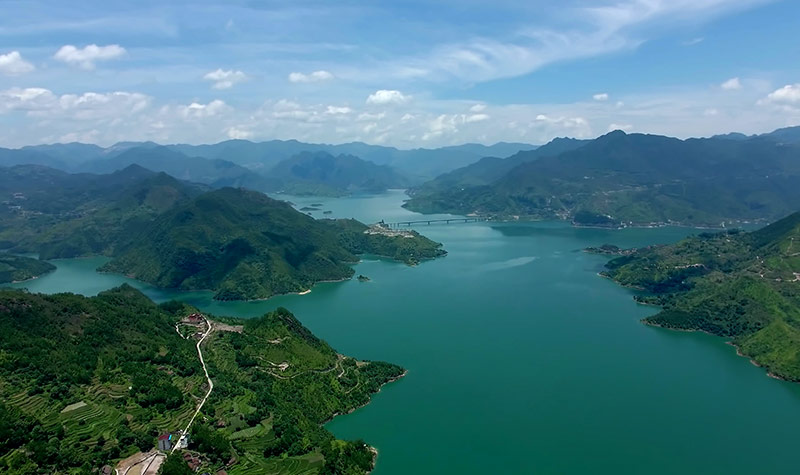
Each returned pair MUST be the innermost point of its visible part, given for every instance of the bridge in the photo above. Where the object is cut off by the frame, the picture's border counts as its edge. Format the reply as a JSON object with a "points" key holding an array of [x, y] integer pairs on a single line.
{"points": [[404, 224]]}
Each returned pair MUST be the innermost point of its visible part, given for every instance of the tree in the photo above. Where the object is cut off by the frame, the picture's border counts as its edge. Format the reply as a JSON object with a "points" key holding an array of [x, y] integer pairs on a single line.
{"points": [[175, 465]]}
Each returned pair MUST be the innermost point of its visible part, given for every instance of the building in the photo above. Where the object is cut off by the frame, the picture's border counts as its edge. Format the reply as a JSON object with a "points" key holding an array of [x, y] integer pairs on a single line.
{"points": [[165, 442]]}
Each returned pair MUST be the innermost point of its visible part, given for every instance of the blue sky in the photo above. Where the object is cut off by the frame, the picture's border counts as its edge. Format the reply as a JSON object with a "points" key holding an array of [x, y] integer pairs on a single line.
{"points": [[408, 74]]}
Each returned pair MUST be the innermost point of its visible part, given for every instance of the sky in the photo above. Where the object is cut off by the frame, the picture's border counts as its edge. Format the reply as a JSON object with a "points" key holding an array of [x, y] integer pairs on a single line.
{"points": [[402, 73]]}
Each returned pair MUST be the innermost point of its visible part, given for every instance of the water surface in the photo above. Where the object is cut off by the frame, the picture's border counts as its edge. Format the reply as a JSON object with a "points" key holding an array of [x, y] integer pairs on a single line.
{"points": [[522, 360]]}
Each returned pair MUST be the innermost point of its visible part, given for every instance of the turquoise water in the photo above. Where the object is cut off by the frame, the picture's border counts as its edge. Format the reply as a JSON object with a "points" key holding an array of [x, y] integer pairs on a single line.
{"points": [[522, 360]]}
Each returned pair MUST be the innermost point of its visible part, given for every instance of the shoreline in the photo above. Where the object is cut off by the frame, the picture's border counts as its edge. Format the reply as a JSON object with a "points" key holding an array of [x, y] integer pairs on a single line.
{"points": [[644, 321], [352, 410], [752, 361]]}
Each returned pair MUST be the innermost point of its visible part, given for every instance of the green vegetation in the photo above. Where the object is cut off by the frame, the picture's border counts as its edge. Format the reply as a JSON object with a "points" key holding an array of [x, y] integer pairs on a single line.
{"points": [[59, 215], [743, 286], [175, 465], [245, 245], [85, 382], [239, 243], [66, 363], [621, 180], [19, 268]]}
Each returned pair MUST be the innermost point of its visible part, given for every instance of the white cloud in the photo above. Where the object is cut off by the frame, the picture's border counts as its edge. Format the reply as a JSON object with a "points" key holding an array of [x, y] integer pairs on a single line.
{"points": [[384, 97], [600, 97], [26, 99], [624, 127], [732, 84], [12, 64], [334, 110], [43, 103], [87, 56], [238, 133], [787, 95], [196, 110], [316, 76], [476, 118], [478, 108], [710, 112], [225, 79], [366, 116]]}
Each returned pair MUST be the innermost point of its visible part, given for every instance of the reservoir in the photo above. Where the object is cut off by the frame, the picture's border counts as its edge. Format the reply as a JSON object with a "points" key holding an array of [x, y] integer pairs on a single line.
{"points": [[520, 358]]}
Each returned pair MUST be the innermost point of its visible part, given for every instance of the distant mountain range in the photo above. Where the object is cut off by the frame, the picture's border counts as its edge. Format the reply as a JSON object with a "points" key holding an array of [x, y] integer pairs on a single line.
{"points": [[320, 173], [266, 166], [622, 179]]}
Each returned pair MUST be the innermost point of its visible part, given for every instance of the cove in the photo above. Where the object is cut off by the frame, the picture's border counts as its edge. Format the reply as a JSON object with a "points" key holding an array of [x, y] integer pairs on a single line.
{"points": [[521, 359]]}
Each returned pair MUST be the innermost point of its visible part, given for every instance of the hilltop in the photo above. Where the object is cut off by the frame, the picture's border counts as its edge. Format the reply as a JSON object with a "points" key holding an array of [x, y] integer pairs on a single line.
{"points": [[742, 286], [624, 179], [87, 382]]}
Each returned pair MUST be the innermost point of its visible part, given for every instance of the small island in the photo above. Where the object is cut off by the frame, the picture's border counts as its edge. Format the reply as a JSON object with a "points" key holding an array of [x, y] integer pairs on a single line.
{"points": [[363, 278]]}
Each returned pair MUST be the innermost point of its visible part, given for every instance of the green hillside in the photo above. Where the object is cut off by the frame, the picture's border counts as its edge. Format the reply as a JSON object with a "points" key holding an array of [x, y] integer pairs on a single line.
{"points": [[241, 244], [742, 286], [19, 268], [55, 214], [85, 382], [620, 179], [245, 245]]}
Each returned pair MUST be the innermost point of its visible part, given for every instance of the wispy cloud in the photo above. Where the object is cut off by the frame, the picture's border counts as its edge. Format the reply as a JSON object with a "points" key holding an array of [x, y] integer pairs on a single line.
{"points": [[316, 76], [597, 30]]}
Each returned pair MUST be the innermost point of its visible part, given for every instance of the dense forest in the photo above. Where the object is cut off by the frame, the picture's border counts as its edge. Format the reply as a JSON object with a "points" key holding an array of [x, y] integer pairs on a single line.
{"points": [[239, 243], [19, 268], [86, 382], [624, 179], [742, 286]]}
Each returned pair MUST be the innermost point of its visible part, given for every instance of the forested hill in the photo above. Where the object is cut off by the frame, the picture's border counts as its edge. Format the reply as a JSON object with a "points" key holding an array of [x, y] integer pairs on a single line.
{"points": [[57, 214], [245, 245], [85, 382], [621, 179], [19, 268], [320, 173], [239, 243], [743, 286]]}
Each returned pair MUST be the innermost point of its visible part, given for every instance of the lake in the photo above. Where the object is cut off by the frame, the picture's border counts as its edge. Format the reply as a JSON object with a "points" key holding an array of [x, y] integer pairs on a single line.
{"points": [[521, 359]]}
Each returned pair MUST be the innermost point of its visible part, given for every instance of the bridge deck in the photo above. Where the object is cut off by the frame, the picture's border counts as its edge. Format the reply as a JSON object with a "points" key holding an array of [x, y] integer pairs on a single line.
{"points": [[471, 219]]}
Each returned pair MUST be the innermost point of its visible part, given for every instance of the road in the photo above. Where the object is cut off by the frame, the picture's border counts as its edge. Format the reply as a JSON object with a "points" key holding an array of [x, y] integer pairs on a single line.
{"points": [[210, 386]]}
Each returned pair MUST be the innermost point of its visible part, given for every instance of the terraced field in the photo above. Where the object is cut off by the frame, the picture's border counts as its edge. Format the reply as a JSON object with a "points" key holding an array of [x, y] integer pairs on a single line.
{"points": [[309, 464]]}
